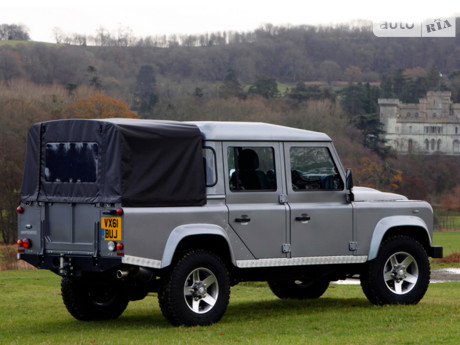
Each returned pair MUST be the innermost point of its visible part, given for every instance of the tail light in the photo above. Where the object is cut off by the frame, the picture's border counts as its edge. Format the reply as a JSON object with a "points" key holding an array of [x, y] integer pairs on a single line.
{"points": [[20, 210], [119, 212], [24, 244]]}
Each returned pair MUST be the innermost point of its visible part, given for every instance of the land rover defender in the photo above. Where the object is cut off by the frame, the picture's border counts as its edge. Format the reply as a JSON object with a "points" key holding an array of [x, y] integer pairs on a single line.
{"points": [[120, 208]]}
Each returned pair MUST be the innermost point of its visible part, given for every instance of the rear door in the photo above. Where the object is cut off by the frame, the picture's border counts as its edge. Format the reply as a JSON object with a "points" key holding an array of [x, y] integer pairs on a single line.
{"points": [[71, 167], [253, 178], [320, 218]]}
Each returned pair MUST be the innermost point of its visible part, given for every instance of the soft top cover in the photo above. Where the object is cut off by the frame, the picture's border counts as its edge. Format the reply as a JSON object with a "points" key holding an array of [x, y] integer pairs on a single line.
{"points": [[137, 163]]}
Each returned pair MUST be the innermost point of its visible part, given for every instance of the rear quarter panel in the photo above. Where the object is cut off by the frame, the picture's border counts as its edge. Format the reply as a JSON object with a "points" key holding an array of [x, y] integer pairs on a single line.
{"points": [[146, 230]]}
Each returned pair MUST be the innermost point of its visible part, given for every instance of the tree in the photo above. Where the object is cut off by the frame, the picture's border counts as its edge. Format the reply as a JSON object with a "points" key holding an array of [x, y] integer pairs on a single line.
{"points": [[399, 80], [387, 86], [145, 97], [454, 81], [9, 32], [414, 188], [103, 37], [413, 90], [371, 127], [16, 115], [10, 181], [414, 73], [198, 93], [433, 78], [329, 71], [10, 64], [353, 74], [58, 34], [299, 92], [94, 79], [371, 100], [380, 175], [264, 86], [360, 103], [231, 86], [302, 92], [354, 100], [99, 107]]}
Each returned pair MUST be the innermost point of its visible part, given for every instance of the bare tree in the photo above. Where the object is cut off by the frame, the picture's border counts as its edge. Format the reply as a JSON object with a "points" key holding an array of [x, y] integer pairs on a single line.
{"points": [[58, 35], [10, 180], [79, 39], [10, 64]]}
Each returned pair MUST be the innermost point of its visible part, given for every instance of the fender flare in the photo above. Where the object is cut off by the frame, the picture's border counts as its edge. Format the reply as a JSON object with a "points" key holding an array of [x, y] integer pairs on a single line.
{"points": [[387, 223], [183, 231]]}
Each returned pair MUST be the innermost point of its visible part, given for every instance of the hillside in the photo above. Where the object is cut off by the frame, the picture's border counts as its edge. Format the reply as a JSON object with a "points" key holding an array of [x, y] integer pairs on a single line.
{"points": [[288, 54]]}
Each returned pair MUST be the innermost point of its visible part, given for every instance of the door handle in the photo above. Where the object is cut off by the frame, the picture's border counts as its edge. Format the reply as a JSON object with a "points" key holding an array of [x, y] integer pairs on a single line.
{"points": [[302, 218], [242, 220]]}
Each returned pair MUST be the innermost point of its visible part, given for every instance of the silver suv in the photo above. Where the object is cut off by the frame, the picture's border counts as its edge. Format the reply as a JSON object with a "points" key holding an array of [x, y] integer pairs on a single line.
{"points": [[120, 208]]}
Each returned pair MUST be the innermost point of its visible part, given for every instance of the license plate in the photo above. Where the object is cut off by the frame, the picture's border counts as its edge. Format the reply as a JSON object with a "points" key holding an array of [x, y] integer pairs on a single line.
{"points": [[111, 228]]}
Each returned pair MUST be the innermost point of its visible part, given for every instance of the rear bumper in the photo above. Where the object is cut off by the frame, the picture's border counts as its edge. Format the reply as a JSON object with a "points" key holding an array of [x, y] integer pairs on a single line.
{"points": [[435, 252], [73, 264]]}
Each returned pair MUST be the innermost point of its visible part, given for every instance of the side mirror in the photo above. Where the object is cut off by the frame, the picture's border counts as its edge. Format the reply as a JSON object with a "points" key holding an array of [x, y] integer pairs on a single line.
{"points": [[349, 179], [349, 185]]}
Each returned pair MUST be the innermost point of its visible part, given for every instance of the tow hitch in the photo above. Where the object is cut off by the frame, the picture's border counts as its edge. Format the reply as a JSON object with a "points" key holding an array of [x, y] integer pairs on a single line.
{"points": [[65, 266]]}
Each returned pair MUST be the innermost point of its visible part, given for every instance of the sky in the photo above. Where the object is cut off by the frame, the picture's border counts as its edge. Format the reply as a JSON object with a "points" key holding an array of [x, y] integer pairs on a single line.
{"points": [[152, 17]]}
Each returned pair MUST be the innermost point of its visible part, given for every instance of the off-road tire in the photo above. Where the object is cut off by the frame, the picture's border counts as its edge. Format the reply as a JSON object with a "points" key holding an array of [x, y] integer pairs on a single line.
{"points": [[399, 275], [183, 298], [295, 289], [87, 301]]}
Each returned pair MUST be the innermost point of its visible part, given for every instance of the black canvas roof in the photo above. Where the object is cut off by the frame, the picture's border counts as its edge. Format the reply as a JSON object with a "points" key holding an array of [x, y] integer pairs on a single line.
{"points": [[139, 163]]}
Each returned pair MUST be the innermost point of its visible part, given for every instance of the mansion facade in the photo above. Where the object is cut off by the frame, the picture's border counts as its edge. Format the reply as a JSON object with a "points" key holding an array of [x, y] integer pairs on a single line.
{"points": [[430, 126]]}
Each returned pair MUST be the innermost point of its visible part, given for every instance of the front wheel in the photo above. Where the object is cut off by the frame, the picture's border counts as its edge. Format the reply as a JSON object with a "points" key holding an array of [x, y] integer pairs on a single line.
{"points": [[297, 289], [196, 291], [88, 301], [399, 275]]}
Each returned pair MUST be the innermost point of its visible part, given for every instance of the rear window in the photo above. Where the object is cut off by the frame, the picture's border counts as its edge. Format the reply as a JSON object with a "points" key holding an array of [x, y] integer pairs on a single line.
{"points": [[71, 162]]}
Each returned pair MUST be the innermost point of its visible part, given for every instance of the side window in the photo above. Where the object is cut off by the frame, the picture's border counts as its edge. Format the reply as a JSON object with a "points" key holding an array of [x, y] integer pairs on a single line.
{"points": [[251, 168], [312, 168], [209, 162]]}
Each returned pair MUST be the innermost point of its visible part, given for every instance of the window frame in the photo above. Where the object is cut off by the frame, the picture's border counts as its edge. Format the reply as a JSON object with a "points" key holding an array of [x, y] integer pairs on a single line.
{"points": [[333, 157], [214, 168], [251, 145]]}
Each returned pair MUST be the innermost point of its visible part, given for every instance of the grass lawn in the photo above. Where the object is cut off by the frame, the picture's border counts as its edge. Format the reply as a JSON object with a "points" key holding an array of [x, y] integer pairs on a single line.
{"points": [[450, 240], [32, 312], [451, 222]]}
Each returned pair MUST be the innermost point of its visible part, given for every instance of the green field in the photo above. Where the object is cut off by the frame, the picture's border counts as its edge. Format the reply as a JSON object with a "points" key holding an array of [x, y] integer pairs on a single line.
{"points": [[32, 312], [451, 222], [450, 240]]}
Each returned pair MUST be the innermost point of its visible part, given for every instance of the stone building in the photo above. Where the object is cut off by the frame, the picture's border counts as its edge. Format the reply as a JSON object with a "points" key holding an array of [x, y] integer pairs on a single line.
{"points": [[430, 126]]}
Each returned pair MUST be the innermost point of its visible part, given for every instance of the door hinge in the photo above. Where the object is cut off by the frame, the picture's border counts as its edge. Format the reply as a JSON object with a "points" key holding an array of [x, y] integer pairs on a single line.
{"points": [[282, 198], [286, 248], [353, 246]]}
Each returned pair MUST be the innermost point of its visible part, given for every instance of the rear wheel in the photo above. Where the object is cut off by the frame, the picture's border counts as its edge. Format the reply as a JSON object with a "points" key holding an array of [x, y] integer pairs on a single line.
{"points": [[297, 289], [196, 291], [92, 301], [399, 275]]}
